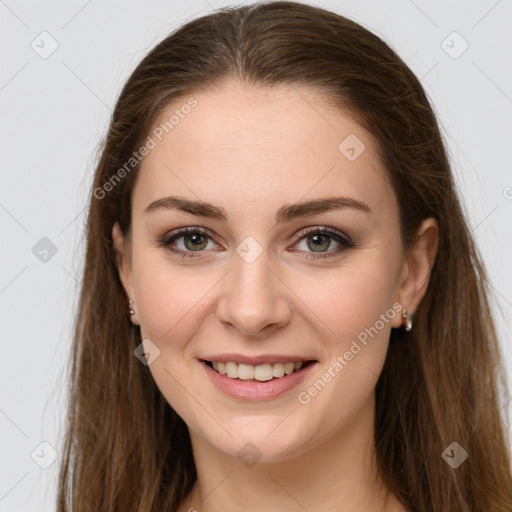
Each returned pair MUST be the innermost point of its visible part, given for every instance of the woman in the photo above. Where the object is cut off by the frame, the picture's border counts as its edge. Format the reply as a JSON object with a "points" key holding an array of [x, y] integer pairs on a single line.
{"points": [[282, 304]]}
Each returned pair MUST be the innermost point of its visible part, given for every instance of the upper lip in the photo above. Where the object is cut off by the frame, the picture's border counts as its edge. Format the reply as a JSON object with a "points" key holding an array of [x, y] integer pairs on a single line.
{"points": [[256, 360]]}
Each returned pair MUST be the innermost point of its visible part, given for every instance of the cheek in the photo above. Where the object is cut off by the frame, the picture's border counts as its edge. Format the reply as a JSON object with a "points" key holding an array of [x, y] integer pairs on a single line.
{"points": [[169, 297], [170, 300], [352, 308], [350, 298], [358, 309]]}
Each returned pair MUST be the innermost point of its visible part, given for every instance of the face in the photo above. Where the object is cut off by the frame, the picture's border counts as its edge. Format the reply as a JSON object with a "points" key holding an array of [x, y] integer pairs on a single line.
{"points": [[270, 282]]}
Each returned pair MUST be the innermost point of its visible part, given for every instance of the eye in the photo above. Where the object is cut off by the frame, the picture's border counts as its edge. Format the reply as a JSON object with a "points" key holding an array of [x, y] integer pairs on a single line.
{"points": [[195, 240], [318, 240]]}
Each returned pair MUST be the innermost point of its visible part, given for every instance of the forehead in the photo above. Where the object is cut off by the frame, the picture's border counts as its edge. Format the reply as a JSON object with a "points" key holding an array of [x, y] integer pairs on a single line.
{"points": [[240, 146]]}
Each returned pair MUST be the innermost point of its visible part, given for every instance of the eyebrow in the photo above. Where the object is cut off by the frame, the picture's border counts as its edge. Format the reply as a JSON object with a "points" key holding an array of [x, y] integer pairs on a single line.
{"points": [[286, 213]]}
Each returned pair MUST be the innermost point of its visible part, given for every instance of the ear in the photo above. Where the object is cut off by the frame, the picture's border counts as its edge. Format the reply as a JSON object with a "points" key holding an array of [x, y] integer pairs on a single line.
{"points": [[418, 263], [122, 251]]}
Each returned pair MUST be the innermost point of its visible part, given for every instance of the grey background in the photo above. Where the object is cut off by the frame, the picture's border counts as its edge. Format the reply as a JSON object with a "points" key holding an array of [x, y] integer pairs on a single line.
{"points": [[54, 111]]}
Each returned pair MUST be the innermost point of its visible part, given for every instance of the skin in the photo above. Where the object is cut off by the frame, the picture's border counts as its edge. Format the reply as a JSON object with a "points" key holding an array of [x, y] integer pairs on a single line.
{"points": [[251, 151]]}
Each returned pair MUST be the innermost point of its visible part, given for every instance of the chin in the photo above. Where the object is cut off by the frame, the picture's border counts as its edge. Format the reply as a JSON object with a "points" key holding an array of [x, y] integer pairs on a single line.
{"points": [[269, 440]]}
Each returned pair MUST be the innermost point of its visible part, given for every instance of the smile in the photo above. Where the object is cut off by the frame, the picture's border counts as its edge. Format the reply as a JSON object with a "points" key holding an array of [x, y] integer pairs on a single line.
{"points": [[260, 372], [263, 380]]}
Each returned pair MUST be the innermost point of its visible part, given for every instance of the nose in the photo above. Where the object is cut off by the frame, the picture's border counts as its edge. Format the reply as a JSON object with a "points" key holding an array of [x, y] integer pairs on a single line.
{"points": [[254, 299]]}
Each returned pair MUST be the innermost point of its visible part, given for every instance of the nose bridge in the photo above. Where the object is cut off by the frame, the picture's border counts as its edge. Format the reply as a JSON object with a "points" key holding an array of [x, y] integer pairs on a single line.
{"points": [[253, 297]]}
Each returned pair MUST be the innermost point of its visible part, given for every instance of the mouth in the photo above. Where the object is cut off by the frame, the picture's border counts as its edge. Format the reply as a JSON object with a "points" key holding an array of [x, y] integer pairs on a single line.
{"points": [[257, 373]]}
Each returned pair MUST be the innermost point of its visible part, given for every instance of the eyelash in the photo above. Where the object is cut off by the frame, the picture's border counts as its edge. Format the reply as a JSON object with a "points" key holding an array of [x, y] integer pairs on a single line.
{"points": [[344, 241]]}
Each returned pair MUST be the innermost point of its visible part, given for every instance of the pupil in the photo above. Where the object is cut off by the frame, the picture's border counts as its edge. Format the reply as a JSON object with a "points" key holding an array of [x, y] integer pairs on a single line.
{"points": [[317, 242], [196, 241]]}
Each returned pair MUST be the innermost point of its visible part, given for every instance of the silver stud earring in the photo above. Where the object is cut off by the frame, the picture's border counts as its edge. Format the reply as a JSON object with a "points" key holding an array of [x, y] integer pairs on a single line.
{"points": [[408, 320], [130, 304]]}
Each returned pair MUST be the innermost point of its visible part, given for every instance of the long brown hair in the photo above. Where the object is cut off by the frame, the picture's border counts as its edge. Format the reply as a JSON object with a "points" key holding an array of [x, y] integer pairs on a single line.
{"points": [[125, 447]]}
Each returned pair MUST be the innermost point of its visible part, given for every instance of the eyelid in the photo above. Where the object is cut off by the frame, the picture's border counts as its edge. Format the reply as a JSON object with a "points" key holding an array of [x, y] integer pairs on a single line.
{"points": [[296, 237], [183, 231], [340, 237], [321, 229]]}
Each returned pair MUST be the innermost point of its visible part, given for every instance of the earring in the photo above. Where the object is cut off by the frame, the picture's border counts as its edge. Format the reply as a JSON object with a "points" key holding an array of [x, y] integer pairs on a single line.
{"points": [[408, 320], [130, 304]]}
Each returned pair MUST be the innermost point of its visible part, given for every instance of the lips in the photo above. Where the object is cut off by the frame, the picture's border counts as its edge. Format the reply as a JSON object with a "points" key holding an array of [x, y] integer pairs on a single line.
{"points": [[253, 389]]}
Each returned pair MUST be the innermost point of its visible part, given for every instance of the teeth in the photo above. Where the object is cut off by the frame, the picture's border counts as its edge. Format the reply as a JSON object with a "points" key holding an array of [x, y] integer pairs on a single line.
{"points": [[261, 372], [246, 371], [288, 368], [278, 369], [232, 370]]}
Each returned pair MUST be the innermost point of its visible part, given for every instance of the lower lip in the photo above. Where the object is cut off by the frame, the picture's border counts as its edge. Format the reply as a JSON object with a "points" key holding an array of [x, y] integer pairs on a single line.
{"points": [[251, 390]]}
